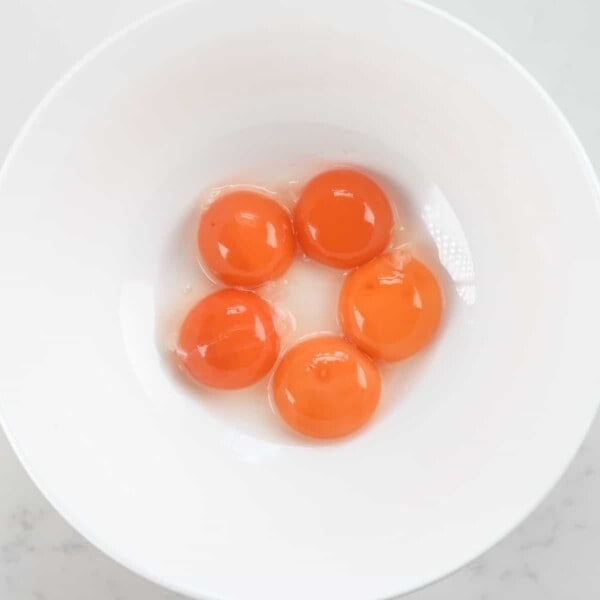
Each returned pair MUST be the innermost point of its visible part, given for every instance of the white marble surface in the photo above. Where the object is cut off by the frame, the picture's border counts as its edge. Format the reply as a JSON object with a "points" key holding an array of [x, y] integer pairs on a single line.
{"points": [[554, 555]]}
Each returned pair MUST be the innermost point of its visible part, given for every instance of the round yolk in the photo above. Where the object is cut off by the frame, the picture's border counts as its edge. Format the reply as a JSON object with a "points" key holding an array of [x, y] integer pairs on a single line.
{"points": [[325, 388], [246, 239], [228, 340], [391, 307], [343, 219]]}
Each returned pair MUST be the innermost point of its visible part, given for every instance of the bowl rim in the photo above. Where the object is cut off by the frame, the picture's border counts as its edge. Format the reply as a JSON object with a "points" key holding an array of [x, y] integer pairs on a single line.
{"points": [[570, 137]]}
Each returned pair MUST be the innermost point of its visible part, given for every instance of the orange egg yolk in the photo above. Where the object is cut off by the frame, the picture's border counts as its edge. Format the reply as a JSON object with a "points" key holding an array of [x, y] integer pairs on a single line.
{"points": [[325, 388], [390, 307], [343, 219], [228, 340], [246, 239]]}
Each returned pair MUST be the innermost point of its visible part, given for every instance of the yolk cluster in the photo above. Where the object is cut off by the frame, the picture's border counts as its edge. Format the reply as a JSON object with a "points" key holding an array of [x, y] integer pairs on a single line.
{"points": [[389, 307]]}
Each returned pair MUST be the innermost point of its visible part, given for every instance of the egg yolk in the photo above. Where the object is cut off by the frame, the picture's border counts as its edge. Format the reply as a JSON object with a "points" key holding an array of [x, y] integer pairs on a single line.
{"points": [[325, 388], [228, 340], [390, 307], [246, 239], [343, 219]]}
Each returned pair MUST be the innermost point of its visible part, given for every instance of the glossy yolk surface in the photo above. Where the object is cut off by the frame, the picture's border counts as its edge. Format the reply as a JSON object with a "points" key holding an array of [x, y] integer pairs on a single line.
{"points": [[391, 307], [246, 239], [228, 340], [343, 219], [325, 388]]}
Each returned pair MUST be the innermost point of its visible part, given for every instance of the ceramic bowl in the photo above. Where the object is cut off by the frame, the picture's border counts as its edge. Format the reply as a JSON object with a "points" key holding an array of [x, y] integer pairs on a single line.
{"points": [[95, 204]]}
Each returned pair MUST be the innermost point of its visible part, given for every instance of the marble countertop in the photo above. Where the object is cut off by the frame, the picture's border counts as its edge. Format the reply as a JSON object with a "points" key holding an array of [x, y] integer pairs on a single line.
{"points": [[553, 555]]}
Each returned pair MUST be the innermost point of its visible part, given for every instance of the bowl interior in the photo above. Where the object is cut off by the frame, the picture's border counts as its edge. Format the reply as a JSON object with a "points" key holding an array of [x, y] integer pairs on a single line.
{"points": [[214, 498]]}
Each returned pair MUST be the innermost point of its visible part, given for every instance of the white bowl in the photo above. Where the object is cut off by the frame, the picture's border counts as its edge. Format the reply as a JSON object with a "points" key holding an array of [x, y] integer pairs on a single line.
{"points": [[95, 202]]}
